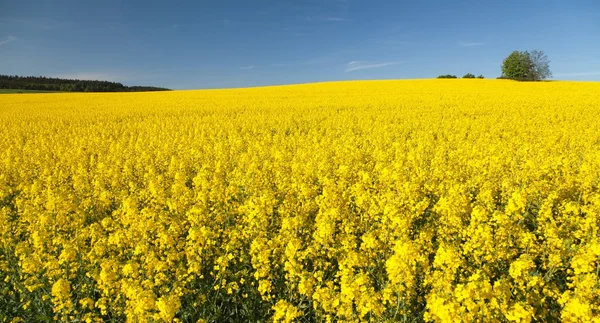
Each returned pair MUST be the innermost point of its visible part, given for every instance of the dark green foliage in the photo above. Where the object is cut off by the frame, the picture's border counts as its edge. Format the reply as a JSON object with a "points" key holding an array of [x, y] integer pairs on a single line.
{"points": [[40, 83], [525, 66], [447, 76], [146, 88], [517, 66], [468, 76], [480, 76], [12, 91]]}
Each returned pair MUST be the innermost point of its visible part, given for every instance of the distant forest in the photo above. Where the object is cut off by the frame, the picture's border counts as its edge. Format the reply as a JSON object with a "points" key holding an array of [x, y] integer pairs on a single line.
{"points": [[41, 83]]}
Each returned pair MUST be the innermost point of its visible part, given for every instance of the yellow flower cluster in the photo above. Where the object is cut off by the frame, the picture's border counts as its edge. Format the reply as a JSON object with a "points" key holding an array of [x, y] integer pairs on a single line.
{"points": [[435, 200]]}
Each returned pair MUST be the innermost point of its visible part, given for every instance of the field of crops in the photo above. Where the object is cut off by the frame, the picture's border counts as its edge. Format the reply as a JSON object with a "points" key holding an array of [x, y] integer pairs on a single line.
{"points": [[424, 200]]}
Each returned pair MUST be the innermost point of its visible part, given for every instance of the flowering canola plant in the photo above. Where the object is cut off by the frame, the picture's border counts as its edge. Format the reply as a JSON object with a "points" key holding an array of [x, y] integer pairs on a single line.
{"points": [[422, 200]]}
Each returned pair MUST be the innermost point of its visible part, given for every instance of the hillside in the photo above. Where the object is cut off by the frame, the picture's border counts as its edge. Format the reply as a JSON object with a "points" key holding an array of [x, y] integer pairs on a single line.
{"points": [[366, 201]]}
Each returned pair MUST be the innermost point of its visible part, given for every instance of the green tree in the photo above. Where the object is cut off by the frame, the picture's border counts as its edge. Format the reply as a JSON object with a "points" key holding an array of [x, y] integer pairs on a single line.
{"points": [[468, 76], [480, 76], [447, 76], [517, 66], [526, 66]]}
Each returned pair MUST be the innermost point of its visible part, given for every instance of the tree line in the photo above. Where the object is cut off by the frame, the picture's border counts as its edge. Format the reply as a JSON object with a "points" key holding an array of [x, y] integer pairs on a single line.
{"points": [[519, 66], [41, 83], [466, 76]]}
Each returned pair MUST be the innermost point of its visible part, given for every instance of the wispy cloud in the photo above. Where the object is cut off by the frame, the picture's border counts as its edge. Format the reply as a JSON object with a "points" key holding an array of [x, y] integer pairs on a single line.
{"points": [[38, 23], [357, 65], [470, 44], [327, 18], [249, 67], [575, 74], [8, 40]]}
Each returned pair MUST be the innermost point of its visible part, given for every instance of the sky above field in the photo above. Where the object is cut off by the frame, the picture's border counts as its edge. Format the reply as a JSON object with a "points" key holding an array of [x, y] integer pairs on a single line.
{"points": [[226, 43]]}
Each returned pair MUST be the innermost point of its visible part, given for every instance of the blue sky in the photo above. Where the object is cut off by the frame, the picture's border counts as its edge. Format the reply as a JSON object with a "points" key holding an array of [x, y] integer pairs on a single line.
{"points": [[226, 43]]}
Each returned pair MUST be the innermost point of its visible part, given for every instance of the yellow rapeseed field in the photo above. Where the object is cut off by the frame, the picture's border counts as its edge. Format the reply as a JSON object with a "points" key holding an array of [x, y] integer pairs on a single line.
{"points": [[423, 200]]}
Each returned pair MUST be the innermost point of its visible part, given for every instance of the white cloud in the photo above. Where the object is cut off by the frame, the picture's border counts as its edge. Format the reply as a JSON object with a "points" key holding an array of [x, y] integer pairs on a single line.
{"points": [[8, 40], [470, 44], [575, 74], [249, 67], [356, 65]]}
